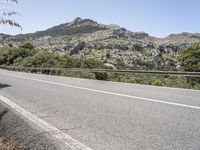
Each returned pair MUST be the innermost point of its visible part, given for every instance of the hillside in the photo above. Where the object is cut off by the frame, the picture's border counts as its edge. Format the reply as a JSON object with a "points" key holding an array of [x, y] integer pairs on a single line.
{"points": [[111, 44]]}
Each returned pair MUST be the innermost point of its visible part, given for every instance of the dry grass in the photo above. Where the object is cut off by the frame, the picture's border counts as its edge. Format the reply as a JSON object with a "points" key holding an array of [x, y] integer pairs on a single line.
{"points": [[7, 145]]}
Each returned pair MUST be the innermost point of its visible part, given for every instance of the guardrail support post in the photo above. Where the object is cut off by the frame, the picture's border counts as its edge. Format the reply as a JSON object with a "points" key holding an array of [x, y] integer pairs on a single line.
{"points": [[189, 81]]}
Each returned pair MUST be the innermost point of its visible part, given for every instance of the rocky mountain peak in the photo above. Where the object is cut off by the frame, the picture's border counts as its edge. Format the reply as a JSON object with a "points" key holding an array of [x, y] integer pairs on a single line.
{"points": [[77, 19], [78, 22]]}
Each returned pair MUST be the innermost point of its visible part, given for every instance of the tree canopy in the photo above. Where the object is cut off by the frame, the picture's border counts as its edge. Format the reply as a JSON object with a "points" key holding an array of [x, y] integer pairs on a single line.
{"points": [[26, 56], [190, 58]]}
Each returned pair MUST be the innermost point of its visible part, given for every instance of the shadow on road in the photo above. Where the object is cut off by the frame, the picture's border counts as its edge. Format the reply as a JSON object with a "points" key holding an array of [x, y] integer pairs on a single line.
{"points": [[3, 113], [4, 86]]}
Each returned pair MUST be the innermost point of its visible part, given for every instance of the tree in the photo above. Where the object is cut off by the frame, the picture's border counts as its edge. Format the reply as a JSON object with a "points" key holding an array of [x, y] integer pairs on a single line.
{"points": [[27, 46], [190, 58], [6, 14]]}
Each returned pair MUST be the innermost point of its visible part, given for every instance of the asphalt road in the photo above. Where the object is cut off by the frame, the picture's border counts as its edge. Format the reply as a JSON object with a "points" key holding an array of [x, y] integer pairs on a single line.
{"points": [[22, 134], [107, 115]]}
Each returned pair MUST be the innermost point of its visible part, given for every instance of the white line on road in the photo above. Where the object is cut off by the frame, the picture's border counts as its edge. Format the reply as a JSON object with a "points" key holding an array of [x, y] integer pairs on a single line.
{"points": [[59, 135], [110, 93]]}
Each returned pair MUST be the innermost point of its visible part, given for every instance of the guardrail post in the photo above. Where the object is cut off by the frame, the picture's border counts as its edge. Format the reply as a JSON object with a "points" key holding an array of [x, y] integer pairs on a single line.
{"points": [[189, 81]]}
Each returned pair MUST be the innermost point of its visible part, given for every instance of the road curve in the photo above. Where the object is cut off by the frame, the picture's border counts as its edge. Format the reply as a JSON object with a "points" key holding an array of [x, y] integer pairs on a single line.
{"points": [[106, 115]]}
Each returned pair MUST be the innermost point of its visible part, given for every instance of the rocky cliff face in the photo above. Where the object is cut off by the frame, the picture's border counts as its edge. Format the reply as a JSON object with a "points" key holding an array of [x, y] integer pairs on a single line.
{"points": [[110, 44]]}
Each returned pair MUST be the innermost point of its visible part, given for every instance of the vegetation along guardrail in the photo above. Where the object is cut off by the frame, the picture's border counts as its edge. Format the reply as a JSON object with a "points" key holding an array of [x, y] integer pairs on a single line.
{"points": [[101, 74]]}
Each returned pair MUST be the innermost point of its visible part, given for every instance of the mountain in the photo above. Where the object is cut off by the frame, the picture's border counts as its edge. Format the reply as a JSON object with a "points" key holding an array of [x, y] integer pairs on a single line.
{"points": [[78, 26], [110, 44]]}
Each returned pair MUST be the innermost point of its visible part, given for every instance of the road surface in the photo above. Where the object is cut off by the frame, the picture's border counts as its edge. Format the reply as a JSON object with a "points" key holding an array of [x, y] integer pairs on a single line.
{"points": [[100, 115]]}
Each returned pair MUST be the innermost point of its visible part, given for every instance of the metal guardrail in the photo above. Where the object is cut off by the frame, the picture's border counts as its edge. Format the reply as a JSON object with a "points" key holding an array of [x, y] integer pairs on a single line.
{"points": [[169, 73], [164, 73], [188, 75]]}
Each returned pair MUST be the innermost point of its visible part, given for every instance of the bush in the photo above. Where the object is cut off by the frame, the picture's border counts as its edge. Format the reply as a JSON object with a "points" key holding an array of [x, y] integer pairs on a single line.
{"points": [[27, 46], [101, 76], [157, 82], [190, 58], [41, 59], [26, 56], [91, 64], [10, 56]]}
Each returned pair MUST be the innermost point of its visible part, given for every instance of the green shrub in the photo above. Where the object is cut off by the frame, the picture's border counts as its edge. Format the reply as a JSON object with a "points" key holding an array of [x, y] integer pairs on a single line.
{"points": [[26, 56], [101, 75], [190, 58], [91, 64], [27, 46], [157, 82]]}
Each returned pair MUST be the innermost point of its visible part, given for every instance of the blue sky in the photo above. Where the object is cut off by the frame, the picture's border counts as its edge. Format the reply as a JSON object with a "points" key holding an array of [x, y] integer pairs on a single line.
{"points": [[156, 17]]}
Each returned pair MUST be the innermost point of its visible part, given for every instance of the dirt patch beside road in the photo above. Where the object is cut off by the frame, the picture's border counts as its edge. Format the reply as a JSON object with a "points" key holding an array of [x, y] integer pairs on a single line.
{"points": [[5, 144]]}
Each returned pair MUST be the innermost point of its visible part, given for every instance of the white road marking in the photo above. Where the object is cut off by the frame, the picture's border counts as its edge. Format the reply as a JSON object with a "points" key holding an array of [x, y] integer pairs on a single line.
{"points": [[59, 135], [110, 93]]}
